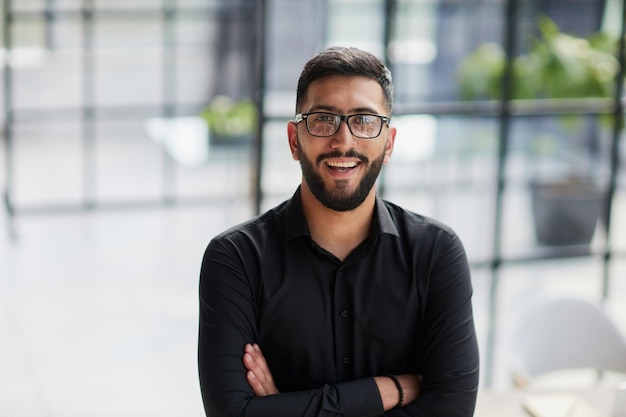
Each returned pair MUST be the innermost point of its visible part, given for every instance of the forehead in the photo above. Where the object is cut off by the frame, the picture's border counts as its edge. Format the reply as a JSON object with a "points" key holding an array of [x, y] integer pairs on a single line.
{"points": [[344, 94]]}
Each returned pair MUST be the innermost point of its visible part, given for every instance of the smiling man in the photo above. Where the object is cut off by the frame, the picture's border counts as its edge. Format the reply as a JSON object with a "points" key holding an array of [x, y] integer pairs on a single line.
{"points": [[336, 302]]}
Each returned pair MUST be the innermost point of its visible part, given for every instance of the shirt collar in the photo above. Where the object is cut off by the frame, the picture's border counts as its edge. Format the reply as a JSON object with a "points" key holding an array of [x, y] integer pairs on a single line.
{"points": [[383, 223], [296, 225]]}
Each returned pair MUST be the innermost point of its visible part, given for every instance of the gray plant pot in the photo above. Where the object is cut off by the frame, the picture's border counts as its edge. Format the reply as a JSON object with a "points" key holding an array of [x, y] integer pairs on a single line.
{"points": [[566, 213]]}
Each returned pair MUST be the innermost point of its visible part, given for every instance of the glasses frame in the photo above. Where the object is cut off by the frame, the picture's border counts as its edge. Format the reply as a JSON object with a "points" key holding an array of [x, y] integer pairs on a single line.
{"points": [[342, 118]]}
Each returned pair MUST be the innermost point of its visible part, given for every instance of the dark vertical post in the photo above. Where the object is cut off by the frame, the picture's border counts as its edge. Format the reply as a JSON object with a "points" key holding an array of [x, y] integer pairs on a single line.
{"points": [[8, 116], [504, 120], [49, 19], [390, 20], [88, 116], [618, 127], [391, 7], [169, 92], [259, 94]]}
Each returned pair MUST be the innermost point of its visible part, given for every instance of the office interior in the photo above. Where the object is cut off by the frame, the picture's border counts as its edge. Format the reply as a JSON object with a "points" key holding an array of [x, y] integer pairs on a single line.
{"points": [[114, 182]]}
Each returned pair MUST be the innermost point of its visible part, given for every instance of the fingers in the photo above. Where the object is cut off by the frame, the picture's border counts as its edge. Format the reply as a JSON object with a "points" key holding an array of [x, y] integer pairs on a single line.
{"points": [[258, 376], [257, 388]]}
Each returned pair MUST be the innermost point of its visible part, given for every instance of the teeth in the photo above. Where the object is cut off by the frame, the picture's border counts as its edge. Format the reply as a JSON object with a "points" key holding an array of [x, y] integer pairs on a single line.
{"points": [[341, 164]]}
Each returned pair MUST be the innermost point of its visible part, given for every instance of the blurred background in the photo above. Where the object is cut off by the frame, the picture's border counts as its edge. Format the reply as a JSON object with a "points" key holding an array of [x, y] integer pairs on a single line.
{"points": [[134, 131]]}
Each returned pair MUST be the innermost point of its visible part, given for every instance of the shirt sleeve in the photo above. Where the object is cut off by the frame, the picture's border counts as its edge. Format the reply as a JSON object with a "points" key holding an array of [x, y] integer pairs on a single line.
{"points": [[228, 320], [450, 364]]}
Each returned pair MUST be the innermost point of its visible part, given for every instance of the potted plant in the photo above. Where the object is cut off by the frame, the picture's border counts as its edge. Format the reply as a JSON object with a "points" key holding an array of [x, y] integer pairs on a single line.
{"points": [[567, 205], [230, 122]]}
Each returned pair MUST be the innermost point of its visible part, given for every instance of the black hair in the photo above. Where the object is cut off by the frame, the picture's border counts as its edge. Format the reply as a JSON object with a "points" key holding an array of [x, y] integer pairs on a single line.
{"points": [[346, 62]]}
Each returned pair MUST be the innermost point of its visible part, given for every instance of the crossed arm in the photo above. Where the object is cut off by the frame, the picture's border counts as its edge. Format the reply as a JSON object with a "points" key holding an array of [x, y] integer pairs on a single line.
{"points": [[260, 379], [236, 380]]}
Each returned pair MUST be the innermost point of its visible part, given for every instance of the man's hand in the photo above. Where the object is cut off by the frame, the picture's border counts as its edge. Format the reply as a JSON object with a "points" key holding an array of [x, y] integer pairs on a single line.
{"points": [[259, 376]]}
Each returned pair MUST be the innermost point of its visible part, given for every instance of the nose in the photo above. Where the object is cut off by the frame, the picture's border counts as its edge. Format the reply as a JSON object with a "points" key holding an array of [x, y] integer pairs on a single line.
{"points": [[343, 137]]}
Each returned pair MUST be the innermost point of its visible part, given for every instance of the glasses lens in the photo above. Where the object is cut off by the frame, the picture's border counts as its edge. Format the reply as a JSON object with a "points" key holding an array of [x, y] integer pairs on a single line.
{"points": [[322, 124], [365, 125]]}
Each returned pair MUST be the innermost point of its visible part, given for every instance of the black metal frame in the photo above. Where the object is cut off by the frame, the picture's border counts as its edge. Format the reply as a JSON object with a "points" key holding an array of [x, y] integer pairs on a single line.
{"points": [[504, 110], [89, 115]]}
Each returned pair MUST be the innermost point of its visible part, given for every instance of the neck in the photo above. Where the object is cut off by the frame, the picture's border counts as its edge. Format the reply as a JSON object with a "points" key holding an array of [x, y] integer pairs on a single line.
{"points": [[338, 232]]}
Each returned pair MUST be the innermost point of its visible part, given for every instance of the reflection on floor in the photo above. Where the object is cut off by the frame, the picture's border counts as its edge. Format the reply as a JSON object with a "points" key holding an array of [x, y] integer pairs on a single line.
{"points": [[99, 314]]}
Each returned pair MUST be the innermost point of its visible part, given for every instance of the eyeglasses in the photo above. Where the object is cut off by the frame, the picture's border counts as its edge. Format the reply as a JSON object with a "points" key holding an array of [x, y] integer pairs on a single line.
{"points": [[364, 126]]}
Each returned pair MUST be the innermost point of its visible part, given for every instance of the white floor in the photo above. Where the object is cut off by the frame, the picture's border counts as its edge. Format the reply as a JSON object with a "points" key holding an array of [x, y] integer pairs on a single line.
{"points": [[99, 314]]}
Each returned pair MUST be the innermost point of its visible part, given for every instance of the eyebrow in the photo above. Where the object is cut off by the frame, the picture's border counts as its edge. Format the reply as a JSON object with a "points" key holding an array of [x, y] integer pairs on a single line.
{"points": [[334, 110]]}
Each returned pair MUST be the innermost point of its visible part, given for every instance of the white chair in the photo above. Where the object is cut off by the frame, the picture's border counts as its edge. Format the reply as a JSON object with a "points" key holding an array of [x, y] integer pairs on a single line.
{"points": [[566, 333]]}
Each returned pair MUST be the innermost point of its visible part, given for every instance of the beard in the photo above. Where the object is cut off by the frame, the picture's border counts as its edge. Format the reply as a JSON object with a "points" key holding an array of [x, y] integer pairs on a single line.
{"points": [[341, 198]]}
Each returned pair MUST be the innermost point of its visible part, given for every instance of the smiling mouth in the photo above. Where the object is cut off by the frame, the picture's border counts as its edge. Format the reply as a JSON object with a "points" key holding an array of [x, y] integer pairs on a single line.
{"points": [[341, 166]]}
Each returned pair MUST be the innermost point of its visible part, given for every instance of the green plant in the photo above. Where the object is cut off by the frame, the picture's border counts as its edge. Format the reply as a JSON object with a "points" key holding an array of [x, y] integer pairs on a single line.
{"points": [[557, 65], [228, 118]]}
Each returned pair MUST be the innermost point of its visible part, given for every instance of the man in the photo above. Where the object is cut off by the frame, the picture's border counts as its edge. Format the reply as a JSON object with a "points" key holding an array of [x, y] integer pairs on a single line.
{"points": [[337, 303]]}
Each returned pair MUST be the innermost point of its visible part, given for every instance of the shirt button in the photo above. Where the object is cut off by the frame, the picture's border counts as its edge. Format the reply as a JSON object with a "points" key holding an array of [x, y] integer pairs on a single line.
{"points": [[344, 313], [346, 360]]}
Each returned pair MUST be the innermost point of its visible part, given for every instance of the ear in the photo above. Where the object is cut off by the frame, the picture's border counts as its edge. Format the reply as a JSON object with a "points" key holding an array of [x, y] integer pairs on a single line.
{"points": [[391, 139], [292, 137]]}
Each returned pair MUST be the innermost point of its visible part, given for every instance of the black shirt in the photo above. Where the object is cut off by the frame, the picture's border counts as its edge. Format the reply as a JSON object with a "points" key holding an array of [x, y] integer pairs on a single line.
{"points": [[399, 303]]}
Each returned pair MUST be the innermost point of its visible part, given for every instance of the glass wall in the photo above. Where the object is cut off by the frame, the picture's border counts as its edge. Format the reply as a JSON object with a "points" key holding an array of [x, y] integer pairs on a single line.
{"points": [[107, 102]]}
